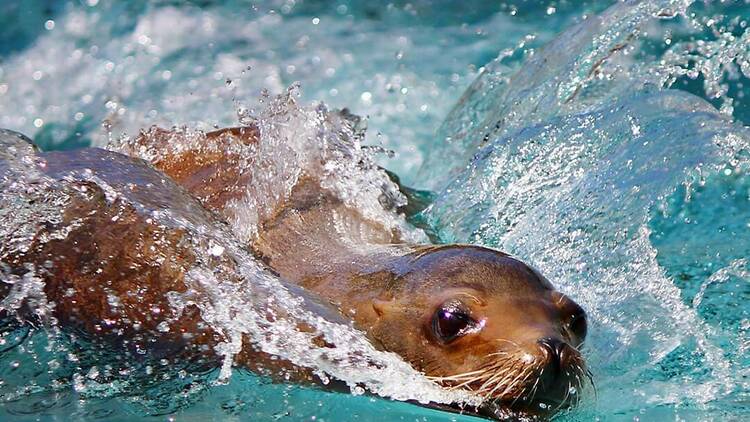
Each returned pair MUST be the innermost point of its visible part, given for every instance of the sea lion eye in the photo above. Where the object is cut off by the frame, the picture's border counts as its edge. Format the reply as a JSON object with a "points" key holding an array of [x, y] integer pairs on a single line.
{"points": [[578, 325], [451, 321]]}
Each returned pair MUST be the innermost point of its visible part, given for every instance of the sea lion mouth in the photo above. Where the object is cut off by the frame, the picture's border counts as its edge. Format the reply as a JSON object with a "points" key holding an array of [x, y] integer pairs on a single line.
{"points": [[523, 386]]}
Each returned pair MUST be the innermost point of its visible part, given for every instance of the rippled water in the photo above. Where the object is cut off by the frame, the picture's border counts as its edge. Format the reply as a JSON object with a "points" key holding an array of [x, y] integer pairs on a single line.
{"points": [[612, 156]]}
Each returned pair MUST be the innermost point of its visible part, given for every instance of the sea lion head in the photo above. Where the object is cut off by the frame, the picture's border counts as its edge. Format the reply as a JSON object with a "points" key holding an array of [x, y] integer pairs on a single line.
{"points": [[477, 319]]}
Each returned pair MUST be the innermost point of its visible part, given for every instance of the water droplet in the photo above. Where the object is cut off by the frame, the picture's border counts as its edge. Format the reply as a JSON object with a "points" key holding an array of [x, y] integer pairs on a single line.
{"points": [[93, 373], [358, 391], [216, 250]]}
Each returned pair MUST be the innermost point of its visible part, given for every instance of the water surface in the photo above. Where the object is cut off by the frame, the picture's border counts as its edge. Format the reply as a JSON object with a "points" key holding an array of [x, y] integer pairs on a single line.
{"points": [[607, 148]]}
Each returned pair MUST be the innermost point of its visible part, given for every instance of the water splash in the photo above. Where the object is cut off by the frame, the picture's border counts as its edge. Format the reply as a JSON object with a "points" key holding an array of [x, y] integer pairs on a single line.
{"points": [[563, 165], [146, 62]]}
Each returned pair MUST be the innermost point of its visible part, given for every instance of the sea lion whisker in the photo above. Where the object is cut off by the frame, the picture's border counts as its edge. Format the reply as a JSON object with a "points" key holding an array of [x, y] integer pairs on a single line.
{"points": [[467, 383], [590, 376], [580, 383], [535, 387], [488, 370], [497, 378], [464, 383], [564, 400], [498, 375], [483, 376], [496, 385], [500, 353], [457, 376], [491, 380], [520, 393], [529, 372], [514, 381], [508, 388], [501, 340]]}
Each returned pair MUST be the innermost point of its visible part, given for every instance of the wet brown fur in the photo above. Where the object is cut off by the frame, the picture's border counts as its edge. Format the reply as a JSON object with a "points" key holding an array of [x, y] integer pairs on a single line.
{"points": [[388, 288]]}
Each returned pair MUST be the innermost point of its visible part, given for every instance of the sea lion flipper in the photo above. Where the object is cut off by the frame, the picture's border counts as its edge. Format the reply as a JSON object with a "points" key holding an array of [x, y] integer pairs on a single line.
{"points": [[211, 166]]}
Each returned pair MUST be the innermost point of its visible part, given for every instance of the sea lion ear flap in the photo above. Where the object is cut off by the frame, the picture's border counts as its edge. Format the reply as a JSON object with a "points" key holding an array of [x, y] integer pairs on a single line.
{"points": [[384, 307]]}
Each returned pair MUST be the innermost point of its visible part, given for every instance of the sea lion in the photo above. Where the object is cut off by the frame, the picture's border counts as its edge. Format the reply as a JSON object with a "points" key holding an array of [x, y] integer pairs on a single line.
{"points": [[468, 317]]}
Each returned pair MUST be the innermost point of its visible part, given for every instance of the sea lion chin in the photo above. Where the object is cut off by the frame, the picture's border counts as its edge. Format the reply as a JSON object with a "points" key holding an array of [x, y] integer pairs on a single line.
{"points": [[468, 317]]}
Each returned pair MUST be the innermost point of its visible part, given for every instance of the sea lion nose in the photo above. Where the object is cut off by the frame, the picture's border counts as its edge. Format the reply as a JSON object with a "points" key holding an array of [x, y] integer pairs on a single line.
{"points": [[557, 353]]}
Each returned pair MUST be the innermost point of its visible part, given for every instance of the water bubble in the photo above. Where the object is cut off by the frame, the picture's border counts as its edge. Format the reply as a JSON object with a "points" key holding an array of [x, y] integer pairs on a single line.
{"points": [[79, 383]]}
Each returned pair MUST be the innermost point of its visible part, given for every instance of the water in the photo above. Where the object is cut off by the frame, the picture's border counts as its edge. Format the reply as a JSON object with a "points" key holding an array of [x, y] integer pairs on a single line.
{"points": [[613, 159]]}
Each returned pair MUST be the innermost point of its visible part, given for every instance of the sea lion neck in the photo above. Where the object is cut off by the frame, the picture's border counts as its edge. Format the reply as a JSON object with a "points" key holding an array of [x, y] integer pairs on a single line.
{"points": [[318, 241]]}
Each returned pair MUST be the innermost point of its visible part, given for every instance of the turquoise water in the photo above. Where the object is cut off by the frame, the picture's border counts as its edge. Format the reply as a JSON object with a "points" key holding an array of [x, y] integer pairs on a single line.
{"points": [[615, 159]]}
